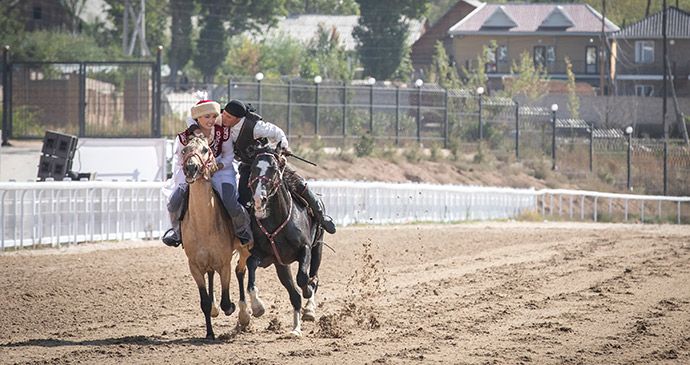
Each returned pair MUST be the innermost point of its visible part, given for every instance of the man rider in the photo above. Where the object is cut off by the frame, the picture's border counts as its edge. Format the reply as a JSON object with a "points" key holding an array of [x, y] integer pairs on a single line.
{"points": [[246, 127]]}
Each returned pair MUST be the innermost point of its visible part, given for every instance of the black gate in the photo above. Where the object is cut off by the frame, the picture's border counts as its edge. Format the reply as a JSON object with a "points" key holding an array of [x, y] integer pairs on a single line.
{"points": [[85, 99]]}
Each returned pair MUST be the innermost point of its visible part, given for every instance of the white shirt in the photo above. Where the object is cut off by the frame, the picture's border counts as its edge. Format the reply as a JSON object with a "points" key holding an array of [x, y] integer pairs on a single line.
{"points": [[262, 130]]}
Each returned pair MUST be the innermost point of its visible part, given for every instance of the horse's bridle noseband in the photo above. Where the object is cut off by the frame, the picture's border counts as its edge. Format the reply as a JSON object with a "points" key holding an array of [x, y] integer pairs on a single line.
{"points": [[275, 182], [211, 160]]}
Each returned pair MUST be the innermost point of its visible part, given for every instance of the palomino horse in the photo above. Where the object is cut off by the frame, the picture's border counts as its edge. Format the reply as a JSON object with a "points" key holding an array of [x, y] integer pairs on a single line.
{"points": [[284, 233], [208, 237]]}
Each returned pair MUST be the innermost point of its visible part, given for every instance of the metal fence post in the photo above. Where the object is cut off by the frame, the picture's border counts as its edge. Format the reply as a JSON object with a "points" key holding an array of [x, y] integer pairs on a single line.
{"points": [[259, 77], [591, 148], [289, 106], [480, 91], [371, 108], [82, 99], [554, 109], [317, 81], [397, 115], [445, 122], [157, 131], [629, 153], [665, 166], [419, 113], [229, 89], [7, 92], [517, 129], [344, 109]]}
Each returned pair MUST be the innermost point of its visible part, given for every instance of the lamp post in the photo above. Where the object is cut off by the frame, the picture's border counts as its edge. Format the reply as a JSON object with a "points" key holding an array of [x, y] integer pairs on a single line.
{"points": [[628, 132], [554, 109], [480, 91], [317, 81], [371, 81], [418, 84], [259, 76]]}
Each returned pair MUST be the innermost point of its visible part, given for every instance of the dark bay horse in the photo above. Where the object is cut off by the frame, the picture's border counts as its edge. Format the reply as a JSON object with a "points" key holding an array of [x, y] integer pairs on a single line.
{"points": [[284, 233], [208, 237]]}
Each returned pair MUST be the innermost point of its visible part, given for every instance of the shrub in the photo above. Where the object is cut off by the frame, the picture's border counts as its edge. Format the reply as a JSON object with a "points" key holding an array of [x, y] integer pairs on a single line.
{"points": [[365, 146]]}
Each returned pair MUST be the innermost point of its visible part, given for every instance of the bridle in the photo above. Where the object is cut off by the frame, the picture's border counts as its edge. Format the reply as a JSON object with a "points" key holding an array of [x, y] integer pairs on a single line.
{"points": [[210, 161], [275, 184]]}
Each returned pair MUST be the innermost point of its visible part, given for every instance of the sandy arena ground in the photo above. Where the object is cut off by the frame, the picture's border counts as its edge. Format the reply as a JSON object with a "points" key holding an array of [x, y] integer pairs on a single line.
{"points": [[480, 293]]}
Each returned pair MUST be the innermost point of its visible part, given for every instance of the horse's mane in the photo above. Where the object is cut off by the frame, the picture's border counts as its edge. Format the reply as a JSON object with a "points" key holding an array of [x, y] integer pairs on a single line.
{"points": [[262, 146]]}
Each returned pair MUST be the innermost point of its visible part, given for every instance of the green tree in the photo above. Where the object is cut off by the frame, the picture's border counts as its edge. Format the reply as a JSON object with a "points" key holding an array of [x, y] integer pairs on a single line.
{"points": [[382, 31], [221, 20], [180, 51], [527, 79], [327, 7], [475, 77], [325, 56], [442, 71], [276, 56], [573, 99], [12, 28]]}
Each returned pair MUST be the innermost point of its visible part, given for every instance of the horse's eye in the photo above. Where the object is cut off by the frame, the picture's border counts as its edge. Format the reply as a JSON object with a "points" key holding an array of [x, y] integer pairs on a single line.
{"points": [[204, 150]]}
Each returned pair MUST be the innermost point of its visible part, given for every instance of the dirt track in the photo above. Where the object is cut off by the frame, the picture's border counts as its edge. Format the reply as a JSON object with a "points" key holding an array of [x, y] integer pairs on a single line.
{"points": [[470, 293]]}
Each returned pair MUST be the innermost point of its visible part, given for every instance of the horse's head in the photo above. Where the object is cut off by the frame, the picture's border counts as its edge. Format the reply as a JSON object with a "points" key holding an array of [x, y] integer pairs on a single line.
{"points": [[265, 177], [198, 158]]}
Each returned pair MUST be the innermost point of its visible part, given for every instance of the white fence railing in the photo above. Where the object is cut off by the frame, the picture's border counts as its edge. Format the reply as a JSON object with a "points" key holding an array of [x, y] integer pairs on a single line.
{"points": [[57, 213]]}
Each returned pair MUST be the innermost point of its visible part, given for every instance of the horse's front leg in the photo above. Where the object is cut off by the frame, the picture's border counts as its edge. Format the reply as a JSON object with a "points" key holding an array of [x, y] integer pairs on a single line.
{"points": [[258, 307], [226, 304], [214, 302], [243, 316], [285, 276], [303, 256], [309, 311], [198, 276]]}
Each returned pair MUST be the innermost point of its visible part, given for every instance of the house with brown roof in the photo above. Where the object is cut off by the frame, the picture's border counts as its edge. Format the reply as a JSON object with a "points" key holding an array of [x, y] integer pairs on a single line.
{"points": [[424, 49], [548, 31], [638, 53]]}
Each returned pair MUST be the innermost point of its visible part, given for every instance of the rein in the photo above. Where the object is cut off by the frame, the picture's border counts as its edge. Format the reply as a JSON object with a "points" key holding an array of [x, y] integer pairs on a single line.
{"points": [[276, 183]]}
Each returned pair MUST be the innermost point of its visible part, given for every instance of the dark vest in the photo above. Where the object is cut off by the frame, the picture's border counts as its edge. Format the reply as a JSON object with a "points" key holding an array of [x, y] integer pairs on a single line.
{"points": [[245, 139]]}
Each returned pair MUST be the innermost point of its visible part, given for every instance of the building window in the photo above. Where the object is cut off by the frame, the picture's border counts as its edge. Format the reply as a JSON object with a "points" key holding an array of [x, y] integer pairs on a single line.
{"points": [[550, 54], [38, 13], [490, 66], [539, 56], [591, 59], [502, 54], [644, 51], [644, 90]]}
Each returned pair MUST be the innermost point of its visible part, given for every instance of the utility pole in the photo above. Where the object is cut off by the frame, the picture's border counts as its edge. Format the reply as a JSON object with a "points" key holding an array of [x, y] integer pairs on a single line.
{"points": [[139, 27], [602, 88]]}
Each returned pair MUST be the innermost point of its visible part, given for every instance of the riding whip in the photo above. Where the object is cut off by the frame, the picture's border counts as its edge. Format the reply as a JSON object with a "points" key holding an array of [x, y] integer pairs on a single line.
{"points": [[299, 158]]}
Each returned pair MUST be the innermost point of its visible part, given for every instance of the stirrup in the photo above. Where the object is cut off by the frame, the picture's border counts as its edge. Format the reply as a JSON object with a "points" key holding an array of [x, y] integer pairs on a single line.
{"points": [[327, 224], [169, 238]]}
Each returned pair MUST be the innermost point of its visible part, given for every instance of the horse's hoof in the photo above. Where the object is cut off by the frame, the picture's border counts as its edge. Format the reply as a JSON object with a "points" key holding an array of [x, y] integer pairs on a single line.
{"points": [[243, 316], [295, 333], [308, 315], [230, 310], [258, 310], [210, 337], [214, 311]]}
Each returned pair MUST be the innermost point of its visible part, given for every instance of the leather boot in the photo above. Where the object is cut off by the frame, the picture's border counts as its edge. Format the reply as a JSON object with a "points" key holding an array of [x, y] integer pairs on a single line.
{"points": [[173, 237], [317, 207], [176, 207]]}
